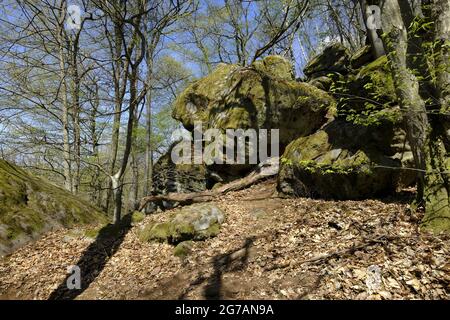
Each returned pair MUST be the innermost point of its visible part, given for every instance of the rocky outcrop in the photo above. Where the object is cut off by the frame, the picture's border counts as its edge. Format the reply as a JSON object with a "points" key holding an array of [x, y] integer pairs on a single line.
{"points": [[367, 95], [361, 153], [180, 178], [195, 222], [341, 132], [341, 161], [170, 177], [334, 58], [30, 206], [264, 95], [361, 57], [261, 96]]}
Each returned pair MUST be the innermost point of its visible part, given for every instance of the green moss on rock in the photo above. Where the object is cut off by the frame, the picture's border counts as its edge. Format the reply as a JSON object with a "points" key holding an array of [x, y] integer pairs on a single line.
{"points": [[30, 206], [275, 66], [342, 161], [367, 96], [196, 222], [183, 249], [334, 58], [261, 96], [160, 232], [137, 216]]}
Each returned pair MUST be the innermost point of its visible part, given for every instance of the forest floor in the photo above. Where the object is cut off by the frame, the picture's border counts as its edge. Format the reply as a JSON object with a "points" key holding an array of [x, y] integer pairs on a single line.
{"points": [[268, 248]]}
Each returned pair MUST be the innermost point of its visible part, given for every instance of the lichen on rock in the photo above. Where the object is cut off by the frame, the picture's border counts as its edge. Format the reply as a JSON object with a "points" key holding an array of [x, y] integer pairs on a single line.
{"points": [[261, 96], [195, 222], [30, 206], [334, 58], [341, 161]]}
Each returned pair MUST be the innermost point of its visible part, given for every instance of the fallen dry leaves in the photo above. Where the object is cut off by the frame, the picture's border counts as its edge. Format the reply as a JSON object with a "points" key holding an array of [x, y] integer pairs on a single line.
{"points": [[268, 248]]}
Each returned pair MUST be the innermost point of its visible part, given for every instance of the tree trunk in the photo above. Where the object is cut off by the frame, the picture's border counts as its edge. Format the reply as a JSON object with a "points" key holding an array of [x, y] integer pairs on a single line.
{"points": [[441, 16], [65, 112], [148, 167], [431, 158], [118, 177], [117, 188], [437, 193], [134, 190], [117, 63], [95, 180], [76, 113]]}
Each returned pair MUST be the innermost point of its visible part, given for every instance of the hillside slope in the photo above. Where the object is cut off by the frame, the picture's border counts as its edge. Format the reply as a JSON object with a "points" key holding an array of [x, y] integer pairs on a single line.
{"points": [[30, 206], [268, 248]]}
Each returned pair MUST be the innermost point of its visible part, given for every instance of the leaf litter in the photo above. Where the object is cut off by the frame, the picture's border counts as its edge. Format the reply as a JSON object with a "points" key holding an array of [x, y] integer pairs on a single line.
{"points": [[268, 248]]}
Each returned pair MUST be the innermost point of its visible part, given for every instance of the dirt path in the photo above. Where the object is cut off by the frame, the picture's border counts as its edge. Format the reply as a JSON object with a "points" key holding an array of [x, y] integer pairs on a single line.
{"points": [[268, 248]]}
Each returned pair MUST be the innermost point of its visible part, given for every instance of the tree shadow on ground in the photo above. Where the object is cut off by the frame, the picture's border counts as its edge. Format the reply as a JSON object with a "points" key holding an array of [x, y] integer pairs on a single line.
{"points": [[94, 258], [231, 261]]}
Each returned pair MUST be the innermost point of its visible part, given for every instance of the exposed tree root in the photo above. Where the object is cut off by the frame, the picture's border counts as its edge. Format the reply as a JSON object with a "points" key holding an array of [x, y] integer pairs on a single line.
{"points": [[264, 170]]}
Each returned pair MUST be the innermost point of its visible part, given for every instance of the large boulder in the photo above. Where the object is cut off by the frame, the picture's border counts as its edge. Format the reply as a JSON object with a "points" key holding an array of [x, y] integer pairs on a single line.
{"points": [[195, 222], [334, 58], [170, 177], [31, 206], [180, 178], [359, 154], [342, 161], [261, 96]]}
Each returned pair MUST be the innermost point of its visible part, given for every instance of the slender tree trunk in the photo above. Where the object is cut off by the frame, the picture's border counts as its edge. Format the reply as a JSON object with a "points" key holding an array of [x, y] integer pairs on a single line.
{"points": [[95, 181], [117, 63], [117, 188], [148, 167], [76, 114], [441, 16], [134, 190], [117, 179], [65, 112]]}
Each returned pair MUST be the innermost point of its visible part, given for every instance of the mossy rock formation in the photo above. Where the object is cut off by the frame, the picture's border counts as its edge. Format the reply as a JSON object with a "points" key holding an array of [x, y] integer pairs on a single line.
{"points": [[342, 161], [361, 57], [360, 153], [195, 222], [183, 249], [367, 95], [334, 58], [30, 206], [264, 95], [261, 96], [171, 177]]}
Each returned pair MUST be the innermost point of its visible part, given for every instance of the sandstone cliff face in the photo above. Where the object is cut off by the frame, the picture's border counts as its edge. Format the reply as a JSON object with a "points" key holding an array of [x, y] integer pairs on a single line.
{"points": [[30, 206], [341, 131], [261, 96], [264, 95], [360, 153]]}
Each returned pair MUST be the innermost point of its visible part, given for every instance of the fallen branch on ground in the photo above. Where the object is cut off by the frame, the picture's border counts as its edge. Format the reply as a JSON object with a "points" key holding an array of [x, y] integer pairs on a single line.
{"points": [[264, 170], [339, 254]]}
